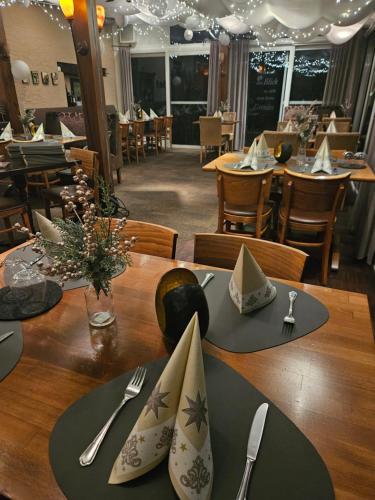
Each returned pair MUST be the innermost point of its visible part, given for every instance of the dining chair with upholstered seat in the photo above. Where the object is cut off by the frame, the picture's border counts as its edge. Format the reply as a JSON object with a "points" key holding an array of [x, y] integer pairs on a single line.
{"points": [[244, 204], [151, 239], [211, 135], [9, 208], [345, 140], [167, 131], [276, 260], [308, 211], [228, 130], [274, 138], [89, 163], [115, 156], [154, 136], [137, 139]]}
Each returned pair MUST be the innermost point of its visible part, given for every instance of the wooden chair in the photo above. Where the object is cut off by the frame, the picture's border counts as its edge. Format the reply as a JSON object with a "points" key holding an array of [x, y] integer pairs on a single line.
{"points": [[347, 141], [308, 212], [89, 163], [342, 123], [125, 148], [335, 153], [167, 131], [281, 125], [10, 208], [244, 200], [152, 239], [273, 139], [4, 153], [229, 130], [210, 134], [154, 138], [276, 261], [137, 139]]}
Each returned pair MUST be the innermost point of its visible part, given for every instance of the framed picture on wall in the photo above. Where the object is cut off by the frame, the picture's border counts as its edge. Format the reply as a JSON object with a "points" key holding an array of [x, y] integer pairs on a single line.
{"points": [[45, 78], [35, 77], [54, 78]]}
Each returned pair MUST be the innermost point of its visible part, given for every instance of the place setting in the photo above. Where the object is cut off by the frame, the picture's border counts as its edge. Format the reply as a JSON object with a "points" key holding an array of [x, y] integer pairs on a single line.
{"points": [[257, 158], [188, 426]]}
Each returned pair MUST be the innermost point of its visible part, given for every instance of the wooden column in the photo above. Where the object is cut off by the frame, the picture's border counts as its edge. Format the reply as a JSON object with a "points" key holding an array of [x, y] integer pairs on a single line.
{"points": [[8, 94], [86, 43]]}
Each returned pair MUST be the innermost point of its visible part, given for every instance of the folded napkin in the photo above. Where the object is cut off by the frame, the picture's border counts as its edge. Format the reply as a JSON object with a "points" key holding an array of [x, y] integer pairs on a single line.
{"points": [[218, 114], [174, 423], [322, 159], [332, 115], [289, 127], [250, 159], [65, 132], [153, 114], [47, 228], [262, 148], [127, 115], [331, 129], [145, 115], [39, 134], [6, 134], [249, 288], [122, 118]]}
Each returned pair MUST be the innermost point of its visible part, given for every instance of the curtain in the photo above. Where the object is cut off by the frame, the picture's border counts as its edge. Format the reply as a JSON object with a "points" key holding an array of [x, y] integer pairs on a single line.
{"points": [[213, 78], [344, 73], [363, 214], [238, 85], [126, 78]]}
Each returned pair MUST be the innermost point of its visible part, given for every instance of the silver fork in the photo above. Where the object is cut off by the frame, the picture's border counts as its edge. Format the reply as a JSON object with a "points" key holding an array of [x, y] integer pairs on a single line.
{"points": [[289, 318], [132, 390]]}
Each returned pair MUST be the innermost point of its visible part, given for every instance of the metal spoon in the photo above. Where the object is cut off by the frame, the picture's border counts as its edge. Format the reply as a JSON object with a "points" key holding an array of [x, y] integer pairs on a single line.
{"points": [[207, 279]]}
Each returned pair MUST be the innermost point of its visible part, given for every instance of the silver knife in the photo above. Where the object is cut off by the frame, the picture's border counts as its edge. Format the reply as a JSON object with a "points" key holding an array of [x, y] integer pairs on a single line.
{"points": [[253, 444], [6, 335]]}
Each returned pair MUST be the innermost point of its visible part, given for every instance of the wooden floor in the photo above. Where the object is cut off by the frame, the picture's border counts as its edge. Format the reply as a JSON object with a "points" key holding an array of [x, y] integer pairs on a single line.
{"points": [[172, 190]]}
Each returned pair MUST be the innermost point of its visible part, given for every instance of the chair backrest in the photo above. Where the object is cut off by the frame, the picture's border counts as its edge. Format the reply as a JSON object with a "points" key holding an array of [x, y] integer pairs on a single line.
{"points": [[228, 116], [273, 139], [344, 140], [124, 127], [342, 119], [152, 239], [210, 131], [243, 189], [89, 161], [168, 122], [138, 127], [3, 150], [276, 260], [281, 125], [158, 125], [335, 153], [341, 125], [307, 193]]}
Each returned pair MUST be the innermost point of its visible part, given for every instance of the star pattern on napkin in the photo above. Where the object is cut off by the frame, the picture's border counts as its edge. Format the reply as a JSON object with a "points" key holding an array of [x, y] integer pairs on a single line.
{"points": [[197, 411], [155, 401]]}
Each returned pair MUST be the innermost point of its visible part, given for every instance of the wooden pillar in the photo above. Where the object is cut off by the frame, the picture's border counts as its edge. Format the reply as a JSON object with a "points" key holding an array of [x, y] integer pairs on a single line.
{"points": [[8, 94], [86, 44], [224, 74]]}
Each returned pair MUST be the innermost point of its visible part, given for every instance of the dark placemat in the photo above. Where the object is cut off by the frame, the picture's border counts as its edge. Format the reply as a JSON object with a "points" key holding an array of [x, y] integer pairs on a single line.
{"points": [[306, 169], [260, 329], [28, 255], [19, 304], [10, 348], [263, 165], [288, 466]]}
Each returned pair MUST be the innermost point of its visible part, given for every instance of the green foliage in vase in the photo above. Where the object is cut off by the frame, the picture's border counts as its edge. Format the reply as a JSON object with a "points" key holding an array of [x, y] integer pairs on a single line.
{"points": [[92, 246], [27, 117]]}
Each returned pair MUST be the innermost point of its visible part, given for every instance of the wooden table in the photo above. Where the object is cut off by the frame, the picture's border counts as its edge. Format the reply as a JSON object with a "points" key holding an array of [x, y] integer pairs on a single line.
{"points": [[324, 382], [364, 175]]}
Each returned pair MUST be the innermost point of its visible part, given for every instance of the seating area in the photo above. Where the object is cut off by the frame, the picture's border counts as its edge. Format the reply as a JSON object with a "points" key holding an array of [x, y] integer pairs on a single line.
{"points": [[187, 216]]}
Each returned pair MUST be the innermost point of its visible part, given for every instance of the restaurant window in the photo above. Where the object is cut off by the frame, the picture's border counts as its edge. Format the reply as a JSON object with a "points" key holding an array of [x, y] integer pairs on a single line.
{"points": [[149, 83], [309, 75], [189, 83], [266, 86]]}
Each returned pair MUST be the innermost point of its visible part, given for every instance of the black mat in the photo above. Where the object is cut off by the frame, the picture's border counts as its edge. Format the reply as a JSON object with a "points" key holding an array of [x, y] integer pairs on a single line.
{"points": [[262, 328], [306, 169], [28, 255], [263, 165], [288, 466], [19, 303], [10, 348]]}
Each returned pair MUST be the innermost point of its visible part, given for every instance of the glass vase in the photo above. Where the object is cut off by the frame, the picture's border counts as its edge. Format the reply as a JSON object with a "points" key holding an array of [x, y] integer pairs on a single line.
{"points": [[301, 156], [100, 309]]}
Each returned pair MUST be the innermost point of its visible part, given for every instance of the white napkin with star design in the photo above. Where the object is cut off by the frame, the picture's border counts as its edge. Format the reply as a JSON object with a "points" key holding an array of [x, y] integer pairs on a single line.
{"points": [[174, 423], [153, 114], [331, 129], [249, 287], [47, 228], [65, 132], [289, 127], [322, 159], [333, 114], [39, 134], [250, 159], [145, 115], [122, 118], [7, 134], [262, 148]]}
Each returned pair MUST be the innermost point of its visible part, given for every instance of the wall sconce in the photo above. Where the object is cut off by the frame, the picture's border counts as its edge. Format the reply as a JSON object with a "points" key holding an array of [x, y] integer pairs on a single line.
{"points": [[67, 7], [100, 16]]}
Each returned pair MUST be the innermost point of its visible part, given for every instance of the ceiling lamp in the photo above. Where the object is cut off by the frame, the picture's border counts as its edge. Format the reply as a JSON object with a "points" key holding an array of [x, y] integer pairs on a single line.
{"points": [[342, 34], [100, 16], [234, 25], [67, 7]]}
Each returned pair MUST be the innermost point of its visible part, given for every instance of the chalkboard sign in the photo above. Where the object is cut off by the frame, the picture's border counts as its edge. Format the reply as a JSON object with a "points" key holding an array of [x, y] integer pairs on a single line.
{"points": [[264, 95]]}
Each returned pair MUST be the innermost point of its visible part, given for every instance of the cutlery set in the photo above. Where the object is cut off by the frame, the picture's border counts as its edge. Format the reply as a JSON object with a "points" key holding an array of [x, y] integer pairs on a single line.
{"points": [[6, 335]]}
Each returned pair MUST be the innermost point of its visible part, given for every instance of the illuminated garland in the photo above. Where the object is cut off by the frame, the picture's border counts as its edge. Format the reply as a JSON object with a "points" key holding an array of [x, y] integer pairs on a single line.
{"points": [[303, 65]]}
